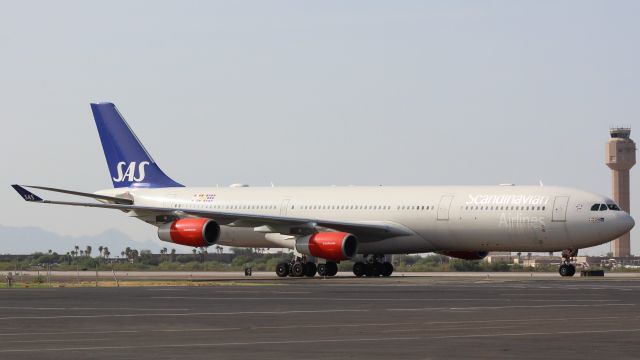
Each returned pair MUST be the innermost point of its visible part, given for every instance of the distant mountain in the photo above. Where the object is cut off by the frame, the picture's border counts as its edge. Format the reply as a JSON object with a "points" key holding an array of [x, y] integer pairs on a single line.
{"points": [[26, 240]]}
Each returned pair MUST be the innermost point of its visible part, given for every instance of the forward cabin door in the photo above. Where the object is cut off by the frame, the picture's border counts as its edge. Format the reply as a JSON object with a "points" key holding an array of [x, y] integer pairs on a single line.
{"points": [[560, 208], [444, 207], [169, 201]]}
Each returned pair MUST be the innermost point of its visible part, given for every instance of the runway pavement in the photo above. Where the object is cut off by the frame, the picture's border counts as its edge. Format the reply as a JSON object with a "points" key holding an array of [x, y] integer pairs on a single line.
{"points": [[381, 318]]}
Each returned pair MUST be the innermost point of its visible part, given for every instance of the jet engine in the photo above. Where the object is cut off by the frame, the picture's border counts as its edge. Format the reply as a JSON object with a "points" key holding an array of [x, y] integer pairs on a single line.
{"points": [[465, 255], [196, 232], [334, 246]]}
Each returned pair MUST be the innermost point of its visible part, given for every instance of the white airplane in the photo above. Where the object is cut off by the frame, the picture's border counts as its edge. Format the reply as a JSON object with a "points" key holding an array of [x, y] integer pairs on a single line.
{"points": [[364, 224]]}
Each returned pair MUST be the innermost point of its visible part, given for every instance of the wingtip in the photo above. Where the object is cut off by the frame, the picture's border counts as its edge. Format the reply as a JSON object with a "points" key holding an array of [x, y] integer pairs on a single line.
{"points": [[26, 194]]}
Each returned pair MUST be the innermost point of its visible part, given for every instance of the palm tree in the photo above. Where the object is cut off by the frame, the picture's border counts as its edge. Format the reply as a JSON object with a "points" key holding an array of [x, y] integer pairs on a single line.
{"points": [[88, 250], [100, 248], [173, 255], [77, 248], [106, 252]]}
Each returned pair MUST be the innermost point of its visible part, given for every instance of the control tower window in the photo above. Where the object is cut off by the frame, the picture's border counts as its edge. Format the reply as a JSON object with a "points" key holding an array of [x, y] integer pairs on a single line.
{"points": [[595, 207], [603, 207], [613, 207]]}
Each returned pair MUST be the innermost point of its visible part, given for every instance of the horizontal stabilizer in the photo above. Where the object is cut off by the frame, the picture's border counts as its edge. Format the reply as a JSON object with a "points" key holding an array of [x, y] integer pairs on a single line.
{"points": [[26, 194], [116, 200]]}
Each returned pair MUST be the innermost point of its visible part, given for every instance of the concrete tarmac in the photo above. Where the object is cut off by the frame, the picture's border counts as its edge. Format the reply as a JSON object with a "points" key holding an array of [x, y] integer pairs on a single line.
{"points": [[380, 318]]}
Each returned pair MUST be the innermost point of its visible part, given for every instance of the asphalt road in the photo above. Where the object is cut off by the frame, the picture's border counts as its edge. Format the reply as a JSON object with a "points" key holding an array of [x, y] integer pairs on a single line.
{"points": [[393, 318]]}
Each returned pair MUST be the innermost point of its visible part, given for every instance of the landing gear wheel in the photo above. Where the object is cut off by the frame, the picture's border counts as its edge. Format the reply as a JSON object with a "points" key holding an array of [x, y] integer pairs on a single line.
{"points": [[322, 269], [387, 269], [297, 270], [282, 270], [376, 269], [567, 270], [572, 270], [332, 268], [310, 269], [359, 269]]}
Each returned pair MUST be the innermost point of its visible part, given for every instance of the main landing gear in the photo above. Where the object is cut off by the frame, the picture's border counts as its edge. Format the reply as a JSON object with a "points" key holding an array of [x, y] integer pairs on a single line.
{"points": [[374, 265], [299, 267], [567, 268]]}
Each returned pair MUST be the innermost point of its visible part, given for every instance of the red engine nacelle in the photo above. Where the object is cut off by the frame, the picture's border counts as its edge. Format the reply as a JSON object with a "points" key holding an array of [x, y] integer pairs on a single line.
{"points": [[465, 255], [328, 245], [196, 232]]}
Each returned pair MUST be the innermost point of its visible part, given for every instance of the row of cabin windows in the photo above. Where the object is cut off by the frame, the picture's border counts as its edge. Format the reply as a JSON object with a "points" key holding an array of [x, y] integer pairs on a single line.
{"points": [[230, 207], [362, 207], [603, 207], [308, 207], [595, 207], [506, 208]]}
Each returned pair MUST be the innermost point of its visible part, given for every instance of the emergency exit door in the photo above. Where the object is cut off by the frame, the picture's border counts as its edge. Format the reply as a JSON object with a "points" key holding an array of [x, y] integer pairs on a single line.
{"points": [[444, 206]]}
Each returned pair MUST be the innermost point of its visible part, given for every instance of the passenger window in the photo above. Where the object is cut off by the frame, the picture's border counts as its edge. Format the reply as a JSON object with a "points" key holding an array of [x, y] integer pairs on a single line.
{"points": [[603, 207]]}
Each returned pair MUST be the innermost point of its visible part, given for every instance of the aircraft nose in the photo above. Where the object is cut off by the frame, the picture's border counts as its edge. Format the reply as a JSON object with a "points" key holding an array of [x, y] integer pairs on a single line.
{"points": [[628, 223]]}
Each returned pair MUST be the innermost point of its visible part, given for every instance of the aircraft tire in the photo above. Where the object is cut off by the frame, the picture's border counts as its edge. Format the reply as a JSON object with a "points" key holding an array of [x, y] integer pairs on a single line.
{"points": [[376, 269], [310, 269], [297, 270], [282, 269], [567, 270], [386, 269], [322, 269], [332, 268], [359, 269]]}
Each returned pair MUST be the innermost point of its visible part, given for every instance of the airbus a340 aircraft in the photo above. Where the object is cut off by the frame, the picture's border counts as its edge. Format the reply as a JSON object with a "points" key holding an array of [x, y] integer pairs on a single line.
{"points": [[324, 225]]}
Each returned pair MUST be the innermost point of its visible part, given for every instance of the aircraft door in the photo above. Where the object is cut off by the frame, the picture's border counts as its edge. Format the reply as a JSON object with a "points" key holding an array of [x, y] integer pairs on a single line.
{"points": [[560, 208], [170, 200], [284, 207], [444, 206]]}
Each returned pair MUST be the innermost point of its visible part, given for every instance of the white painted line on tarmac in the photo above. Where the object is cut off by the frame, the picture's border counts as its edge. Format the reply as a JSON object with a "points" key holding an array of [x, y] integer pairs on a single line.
{"points": [[328, 326], [54, 340], [526, 320], [117, 332], [90, 308], [325, 298], [180, 314], [248, 343], [450, 328], [508, 307], [578, 332]]}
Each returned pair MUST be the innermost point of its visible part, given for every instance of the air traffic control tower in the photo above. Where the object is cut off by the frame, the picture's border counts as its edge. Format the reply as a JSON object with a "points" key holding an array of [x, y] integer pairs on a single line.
{"points": [[620, 157]]}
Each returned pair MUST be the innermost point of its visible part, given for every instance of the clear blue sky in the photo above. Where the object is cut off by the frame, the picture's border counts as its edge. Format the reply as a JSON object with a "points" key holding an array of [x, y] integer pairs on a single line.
{"points": [[315, 93]]}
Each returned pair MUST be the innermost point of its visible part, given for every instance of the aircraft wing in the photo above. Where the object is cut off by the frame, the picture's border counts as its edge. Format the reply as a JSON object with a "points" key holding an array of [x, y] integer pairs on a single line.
{"points": [[375, 230]]}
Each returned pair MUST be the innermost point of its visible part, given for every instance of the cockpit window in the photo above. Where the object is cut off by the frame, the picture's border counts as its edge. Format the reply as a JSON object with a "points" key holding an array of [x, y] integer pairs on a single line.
{"points": [[613, 207], [595, 207], [603, 207]]}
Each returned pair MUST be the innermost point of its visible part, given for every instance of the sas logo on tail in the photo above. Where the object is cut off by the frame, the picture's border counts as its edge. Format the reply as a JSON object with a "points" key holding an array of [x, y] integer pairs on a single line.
{"points": [[130, 173]]}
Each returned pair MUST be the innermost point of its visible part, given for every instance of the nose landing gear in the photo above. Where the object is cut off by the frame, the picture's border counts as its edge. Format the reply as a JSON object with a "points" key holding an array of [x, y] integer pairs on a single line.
{"points": [[567, 268]]}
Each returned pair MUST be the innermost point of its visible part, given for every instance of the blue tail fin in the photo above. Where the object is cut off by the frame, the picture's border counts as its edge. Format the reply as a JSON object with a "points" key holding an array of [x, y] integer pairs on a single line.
{"points": [[129, 162]]}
